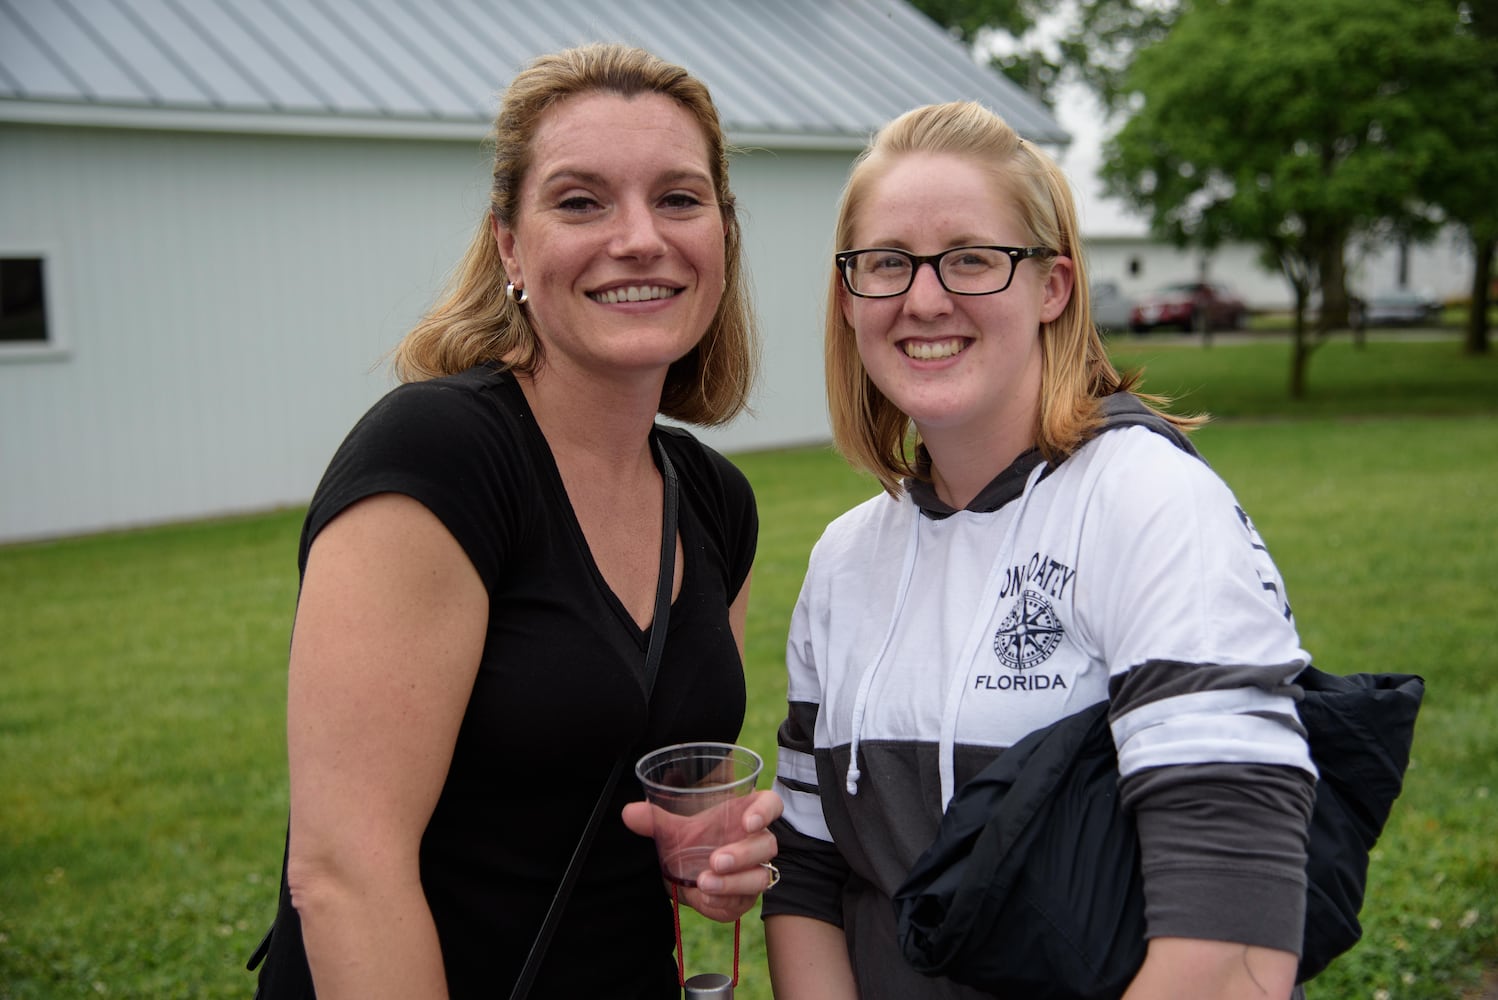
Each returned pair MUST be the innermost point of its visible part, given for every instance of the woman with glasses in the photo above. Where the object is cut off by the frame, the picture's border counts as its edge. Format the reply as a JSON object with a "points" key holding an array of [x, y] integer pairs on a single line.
{"points": [[1047, 541]]}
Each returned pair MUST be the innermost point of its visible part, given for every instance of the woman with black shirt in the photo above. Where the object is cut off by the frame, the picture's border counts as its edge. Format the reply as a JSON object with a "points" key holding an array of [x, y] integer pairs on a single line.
{"points": [[480, 562]]}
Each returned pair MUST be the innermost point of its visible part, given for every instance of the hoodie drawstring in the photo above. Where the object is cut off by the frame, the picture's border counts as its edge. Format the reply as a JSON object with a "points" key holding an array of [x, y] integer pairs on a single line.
{"points": [[947, 742], [946, 751], [861, 699]]}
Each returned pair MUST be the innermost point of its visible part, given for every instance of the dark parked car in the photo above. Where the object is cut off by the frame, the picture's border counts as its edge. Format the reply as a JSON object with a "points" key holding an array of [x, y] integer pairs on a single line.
{"points": [[1188, 305], [1400, 309]]}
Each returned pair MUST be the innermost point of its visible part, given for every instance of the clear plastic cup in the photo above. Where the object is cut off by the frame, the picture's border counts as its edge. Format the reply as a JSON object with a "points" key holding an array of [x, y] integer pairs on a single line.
{"points": [[698, 793]]}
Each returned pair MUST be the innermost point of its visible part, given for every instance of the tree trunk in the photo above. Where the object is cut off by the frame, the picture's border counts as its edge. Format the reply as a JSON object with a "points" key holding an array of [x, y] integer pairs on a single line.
{"points": [[1299, 351], [1482, 283], [1298, 271], [1333, 273]]}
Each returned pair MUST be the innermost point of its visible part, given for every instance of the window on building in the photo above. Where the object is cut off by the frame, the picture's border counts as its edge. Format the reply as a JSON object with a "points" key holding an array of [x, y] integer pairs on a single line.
{"points": [[1135, 267], [23, 301]]}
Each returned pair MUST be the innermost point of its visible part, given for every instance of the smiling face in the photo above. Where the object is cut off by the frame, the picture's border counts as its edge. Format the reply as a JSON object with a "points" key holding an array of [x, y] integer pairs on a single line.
{"points": [[618, 238], [963, 368]]}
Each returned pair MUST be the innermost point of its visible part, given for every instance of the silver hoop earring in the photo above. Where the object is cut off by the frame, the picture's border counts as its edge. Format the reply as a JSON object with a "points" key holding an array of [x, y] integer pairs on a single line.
{"points": [[515, 295]]}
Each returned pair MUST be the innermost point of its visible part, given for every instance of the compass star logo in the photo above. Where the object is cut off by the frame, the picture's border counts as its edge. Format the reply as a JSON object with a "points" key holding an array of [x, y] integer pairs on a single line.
{"points": [[1029, 635]]}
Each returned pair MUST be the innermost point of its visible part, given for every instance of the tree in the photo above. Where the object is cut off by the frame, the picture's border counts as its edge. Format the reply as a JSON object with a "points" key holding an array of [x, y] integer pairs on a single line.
{"points": [[1289, 125], [1458, 181], [1095, 39], [1100, 42]]}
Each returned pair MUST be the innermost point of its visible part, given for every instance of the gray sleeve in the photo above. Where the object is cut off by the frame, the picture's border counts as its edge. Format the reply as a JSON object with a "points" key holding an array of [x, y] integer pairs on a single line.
{"points": [[1223, 851], [812, 877]]}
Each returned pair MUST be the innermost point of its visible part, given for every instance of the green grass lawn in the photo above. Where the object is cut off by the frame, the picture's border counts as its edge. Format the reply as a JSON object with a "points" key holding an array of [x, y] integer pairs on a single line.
{"points": [[142, 679]]}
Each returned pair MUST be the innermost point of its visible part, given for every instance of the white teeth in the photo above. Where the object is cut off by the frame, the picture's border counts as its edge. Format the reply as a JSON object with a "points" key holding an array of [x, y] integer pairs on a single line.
{"points": [[634, 293], [925, 350]]}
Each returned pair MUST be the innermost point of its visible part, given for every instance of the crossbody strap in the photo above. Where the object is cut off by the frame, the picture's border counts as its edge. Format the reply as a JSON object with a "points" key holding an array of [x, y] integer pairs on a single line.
{"points": [[652, 661]]}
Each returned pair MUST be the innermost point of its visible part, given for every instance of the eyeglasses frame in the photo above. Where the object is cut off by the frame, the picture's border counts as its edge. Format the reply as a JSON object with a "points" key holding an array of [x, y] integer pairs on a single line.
{"points": [[1015, 254]]}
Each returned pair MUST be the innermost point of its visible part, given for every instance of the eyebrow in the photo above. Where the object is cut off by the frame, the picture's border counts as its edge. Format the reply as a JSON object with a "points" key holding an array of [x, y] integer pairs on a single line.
{"points": [[590, 177], [966, 240]]}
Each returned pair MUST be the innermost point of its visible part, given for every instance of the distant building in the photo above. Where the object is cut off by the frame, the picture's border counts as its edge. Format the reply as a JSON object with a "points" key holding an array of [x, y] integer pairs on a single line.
{"points": [[217, 217], [1441, 269]]}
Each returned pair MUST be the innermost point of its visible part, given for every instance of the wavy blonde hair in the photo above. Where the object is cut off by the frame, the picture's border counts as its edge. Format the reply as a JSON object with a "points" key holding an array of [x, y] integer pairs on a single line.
{"points": [[474, 322], [870, 431]]}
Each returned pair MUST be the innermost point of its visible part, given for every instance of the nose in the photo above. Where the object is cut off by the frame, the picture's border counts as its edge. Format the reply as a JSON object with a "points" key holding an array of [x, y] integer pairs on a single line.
{"points": [[637, 233], [927, 297]]}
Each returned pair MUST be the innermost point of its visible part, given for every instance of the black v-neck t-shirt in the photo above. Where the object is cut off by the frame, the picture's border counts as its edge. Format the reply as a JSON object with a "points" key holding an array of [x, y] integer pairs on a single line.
{"points": [[558, 696]]}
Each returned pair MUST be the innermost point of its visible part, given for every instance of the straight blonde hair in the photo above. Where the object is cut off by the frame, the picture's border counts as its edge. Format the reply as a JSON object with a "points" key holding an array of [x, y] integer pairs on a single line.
{"points": [[868, 429], [475, 323]]}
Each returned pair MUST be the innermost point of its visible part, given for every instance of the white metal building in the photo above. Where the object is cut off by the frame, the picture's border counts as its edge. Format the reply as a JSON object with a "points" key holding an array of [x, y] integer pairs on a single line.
{"points": [[217, 217], [1440, 269]]}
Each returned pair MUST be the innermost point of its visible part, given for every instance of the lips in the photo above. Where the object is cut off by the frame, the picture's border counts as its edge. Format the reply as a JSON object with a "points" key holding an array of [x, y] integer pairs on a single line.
{"points": [[634, 293], [933, 350]]}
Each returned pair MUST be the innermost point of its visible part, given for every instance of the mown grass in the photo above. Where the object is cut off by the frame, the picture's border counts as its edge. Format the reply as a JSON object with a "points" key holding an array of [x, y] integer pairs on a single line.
{"points": [[142, 679], [1246, 376]]}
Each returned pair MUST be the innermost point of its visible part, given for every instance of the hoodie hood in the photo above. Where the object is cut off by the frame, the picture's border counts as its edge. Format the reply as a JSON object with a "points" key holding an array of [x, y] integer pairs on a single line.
{"points": [[1122, 409]]}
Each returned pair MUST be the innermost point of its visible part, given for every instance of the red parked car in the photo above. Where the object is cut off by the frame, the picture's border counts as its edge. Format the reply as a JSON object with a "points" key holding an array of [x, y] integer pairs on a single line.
{"points": [[1188, 305]]}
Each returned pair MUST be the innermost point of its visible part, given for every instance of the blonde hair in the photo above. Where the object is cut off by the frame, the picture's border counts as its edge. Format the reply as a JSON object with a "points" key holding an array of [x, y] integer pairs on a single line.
{"points": [[874, 434], [474, 322]]}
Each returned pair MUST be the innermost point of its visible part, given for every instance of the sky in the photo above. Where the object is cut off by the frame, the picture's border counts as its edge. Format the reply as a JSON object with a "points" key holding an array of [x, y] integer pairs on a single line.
{"points": [[1081, 115]]}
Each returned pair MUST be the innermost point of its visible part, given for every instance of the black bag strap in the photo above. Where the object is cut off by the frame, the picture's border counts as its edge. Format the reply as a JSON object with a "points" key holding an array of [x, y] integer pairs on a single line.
{"points": [[652, 661]]}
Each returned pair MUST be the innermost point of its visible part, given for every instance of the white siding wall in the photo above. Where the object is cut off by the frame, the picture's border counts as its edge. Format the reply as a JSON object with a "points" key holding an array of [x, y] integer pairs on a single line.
{"points": [[225, 302], [788, 202]]}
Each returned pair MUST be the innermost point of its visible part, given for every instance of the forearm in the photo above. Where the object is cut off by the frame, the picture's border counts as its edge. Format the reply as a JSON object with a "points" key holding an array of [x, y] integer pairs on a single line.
{"points": [[808, 959], [369, 942], [1191, 969]]}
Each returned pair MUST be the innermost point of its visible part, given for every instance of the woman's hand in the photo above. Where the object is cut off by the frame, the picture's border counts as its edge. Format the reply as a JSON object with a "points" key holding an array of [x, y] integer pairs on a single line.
{"points": [[740, 870]]}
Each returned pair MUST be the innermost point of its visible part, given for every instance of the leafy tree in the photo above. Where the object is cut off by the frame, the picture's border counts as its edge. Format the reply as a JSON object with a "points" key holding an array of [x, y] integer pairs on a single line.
{"points": [[968, 19], [1095, 39], [1458, 179], [1101, 40], [1289, 125]]}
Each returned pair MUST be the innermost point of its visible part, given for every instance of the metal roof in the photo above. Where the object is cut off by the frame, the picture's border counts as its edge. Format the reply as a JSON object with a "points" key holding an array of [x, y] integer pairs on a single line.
{"points": [[783, 72]]}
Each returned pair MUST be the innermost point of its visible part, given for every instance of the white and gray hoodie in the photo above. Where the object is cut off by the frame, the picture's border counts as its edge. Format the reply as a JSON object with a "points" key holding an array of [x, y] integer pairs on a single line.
{"points": [[927, 640]]}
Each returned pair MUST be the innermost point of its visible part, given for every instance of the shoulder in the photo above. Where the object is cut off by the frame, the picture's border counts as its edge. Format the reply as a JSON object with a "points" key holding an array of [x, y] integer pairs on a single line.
{"points": [[878, 510], [1138, 443], [862, 533], [704, 471], [456, 444], [459, 428], [1145, 507], [1138, 465], [443, 412], [1135, 495]]}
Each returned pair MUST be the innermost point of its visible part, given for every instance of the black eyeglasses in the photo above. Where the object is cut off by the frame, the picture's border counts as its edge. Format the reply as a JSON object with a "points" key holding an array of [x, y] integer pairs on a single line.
{"points": [[884, 272]]}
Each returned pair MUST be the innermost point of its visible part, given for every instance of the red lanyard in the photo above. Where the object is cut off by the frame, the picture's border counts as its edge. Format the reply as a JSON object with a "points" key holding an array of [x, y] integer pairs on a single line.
{"points": [[681, 952]]}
